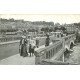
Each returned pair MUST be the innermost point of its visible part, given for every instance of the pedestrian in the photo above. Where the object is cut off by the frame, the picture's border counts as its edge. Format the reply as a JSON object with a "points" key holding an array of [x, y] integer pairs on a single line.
{"points": [[61, 35], [30, 49], [47, 41], [77, 35], [37, 42], [66, 53], [71, 45], [23, 47]]}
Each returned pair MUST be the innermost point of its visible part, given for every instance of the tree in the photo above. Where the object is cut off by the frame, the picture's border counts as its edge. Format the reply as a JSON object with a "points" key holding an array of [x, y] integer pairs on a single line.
{"points": [[63, 28], [55, 28], [42, 29]]}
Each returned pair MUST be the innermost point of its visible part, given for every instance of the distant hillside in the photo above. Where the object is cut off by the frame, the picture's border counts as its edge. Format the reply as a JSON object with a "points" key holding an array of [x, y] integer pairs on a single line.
{"points": [[11, 23]]}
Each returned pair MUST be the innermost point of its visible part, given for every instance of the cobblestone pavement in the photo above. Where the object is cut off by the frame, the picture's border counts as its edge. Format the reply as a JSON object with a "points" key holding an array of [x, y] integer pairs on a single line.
{"points": [[75, 55]]}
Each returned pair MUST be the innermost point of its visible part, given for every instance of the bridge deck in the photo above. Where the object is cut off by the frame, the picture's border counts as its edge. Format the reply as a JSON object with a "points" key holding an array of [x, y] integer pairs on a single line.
{"points": [[9, 42], [19, 60]]}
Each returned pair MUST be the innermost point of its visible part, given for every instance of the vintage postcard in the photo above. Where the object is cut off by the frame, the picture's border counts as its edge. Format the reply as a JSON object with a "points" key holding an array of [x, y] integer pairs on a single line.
{"points": [[39, 39], [39, 32]]}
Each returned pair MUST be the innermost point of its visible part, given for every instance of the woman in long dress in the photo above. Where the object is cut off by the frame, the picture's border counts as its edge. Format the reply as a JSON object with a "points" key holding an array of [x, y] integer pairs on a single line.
{"points": [[23, 47]]}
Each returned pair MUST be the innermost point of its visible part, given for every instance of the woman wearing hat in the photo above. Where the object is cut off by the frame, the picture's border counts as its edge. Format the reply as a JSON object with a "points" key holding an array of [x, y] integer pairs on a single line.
{"points": [[23, 47]]}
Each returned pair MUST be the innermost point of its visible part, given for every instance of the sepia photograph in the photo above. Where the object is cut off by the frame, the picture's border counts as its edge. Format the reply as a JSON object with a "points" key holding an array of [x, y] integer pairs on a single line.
{"points": [[39, 39]]}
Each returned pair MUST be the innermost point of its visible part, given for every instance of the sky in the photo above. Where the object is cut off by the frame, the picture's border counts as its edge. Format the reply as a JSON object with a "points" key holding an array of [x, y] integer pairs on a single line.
{"points": [[62, 11], [60, 18]]}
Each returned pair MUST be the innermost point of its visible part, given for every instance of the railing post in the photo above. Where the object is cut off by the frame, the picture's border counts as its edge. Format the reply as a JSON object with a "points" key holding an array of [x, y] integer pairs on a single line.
{"points": [[63, 57]]}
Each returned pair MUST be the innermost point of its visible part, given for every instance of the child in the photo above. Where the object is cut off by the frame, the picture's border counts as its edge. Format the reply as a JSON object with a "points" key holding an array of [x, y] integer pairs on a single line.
{"points": [[30, 49]]}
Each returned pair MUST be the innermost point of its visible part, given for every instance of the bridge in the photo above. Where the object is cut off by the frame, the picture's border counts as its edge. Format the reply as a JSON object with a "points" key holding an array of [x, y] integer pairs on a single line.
{"points": [[52, 54]]}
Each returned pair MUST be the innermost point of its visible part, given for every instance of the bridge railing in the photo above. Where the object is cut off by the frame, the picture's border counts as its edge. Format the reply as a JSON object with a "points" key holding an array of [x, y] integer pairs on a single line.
{"points": [[6, 39], [66, 38], [43, 39], [53, 62], [48, 52], [54, 51]]}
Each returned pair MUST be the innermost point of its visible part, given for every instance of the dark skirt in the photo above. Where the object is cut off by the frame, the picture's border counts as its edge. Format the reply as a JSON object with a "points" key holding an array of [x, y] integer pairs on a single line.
{"points": [[24, 50], [32, 50]]}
